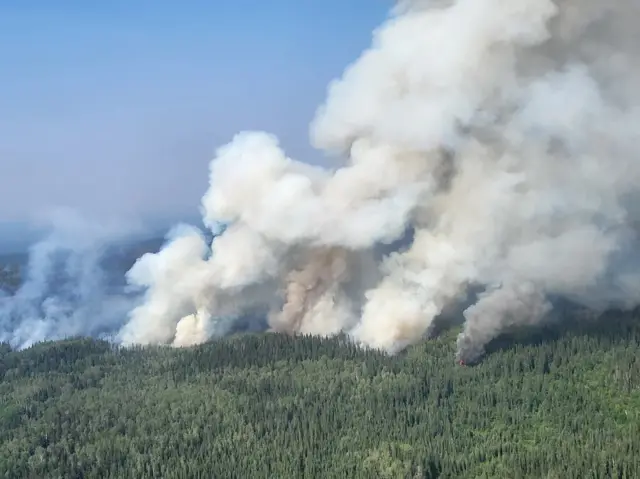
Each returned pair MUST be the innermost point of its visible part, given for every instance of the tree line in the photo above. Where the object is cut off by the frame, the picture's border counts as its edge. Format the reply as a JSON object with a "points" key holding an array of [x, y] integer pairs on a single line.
{"points": [[555, 404]]}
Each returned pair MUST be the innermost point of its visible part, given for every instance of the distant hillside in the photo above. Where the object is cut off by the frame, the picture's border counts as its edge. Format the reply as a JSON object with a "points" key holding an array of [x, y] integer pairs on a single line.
{"points": [[15, 237], [118, 259], [563, 404]]}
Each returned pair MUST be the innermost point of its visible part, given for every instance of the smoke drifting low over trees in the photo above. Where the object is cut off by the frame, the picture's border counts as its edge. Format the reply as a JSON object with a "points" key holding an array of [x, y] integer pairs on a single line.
{"points": [[501, 133]]}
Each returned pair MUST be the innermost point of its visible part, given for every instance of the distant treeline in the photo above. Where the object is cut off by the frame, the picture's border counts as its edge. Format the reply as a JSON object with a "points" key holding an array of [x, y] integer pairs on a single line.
{"points": [[273, 406], [117, 259]]}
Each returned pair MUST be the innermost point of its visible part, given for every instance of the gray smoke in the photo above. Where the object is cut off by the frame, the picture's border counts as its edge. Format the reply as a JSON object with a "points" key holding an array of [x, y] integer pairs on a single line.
{"points": [[503, 133], [66, 289]]}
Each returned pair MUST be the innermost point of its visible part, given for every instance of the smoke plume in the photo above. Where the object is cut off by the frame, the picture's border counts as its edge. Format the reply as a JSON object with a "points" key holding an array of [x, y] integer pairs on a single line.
{"points": [[66, 289], [503, 133]]}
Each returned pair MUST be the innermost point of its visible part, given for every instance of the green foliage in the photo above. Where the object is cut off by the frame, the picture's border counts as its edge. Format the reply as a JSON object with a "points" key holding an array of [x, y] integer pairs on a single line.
{"points": [[273, 406]]}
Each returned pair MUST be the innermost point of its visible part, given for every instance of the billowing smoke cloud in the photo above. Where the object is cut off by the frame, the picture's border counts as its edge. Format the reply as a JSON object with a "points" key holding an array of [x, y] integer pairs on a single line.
{"points": [[66, 289], [503, 133]]}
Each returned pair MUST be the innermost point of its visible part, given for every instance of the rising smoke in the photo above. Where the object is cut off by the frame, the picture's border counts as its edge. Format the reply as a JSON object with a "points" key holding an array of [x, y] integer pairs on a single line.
{"points": [[501, 133], [67, 289]]}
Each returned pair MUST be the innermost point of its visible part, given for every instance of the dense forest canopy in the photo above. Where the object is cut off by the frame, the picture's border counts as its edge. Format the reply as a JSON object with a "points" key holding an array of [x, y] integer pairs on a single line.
{"points": [[561, 403]]}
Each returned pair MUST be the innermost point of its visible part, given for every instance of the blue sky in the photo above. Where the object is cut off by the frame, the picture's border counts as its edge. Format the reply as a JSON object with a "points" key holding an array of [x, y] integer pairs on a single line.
{"points": [[116, 107]]}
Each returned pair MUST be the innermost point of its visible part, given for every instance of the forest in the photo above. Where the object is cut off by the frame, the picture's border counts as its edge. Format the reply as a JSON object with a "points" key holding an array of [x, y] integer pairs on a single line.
{"points": [[556, 402]]}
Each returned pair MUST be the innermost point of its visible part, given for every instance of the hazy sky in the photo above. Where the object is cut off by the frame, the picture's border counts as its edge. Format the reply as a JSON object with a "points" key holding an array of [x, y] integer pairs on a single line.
{"points": [[115, 107]]}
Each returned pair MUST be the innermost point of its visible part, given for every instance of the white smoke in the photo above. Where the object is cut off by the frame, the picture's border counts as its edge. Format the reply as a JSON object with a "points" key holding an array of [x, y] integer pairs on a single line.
{"points": [[65, 290], [503, 132]]}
